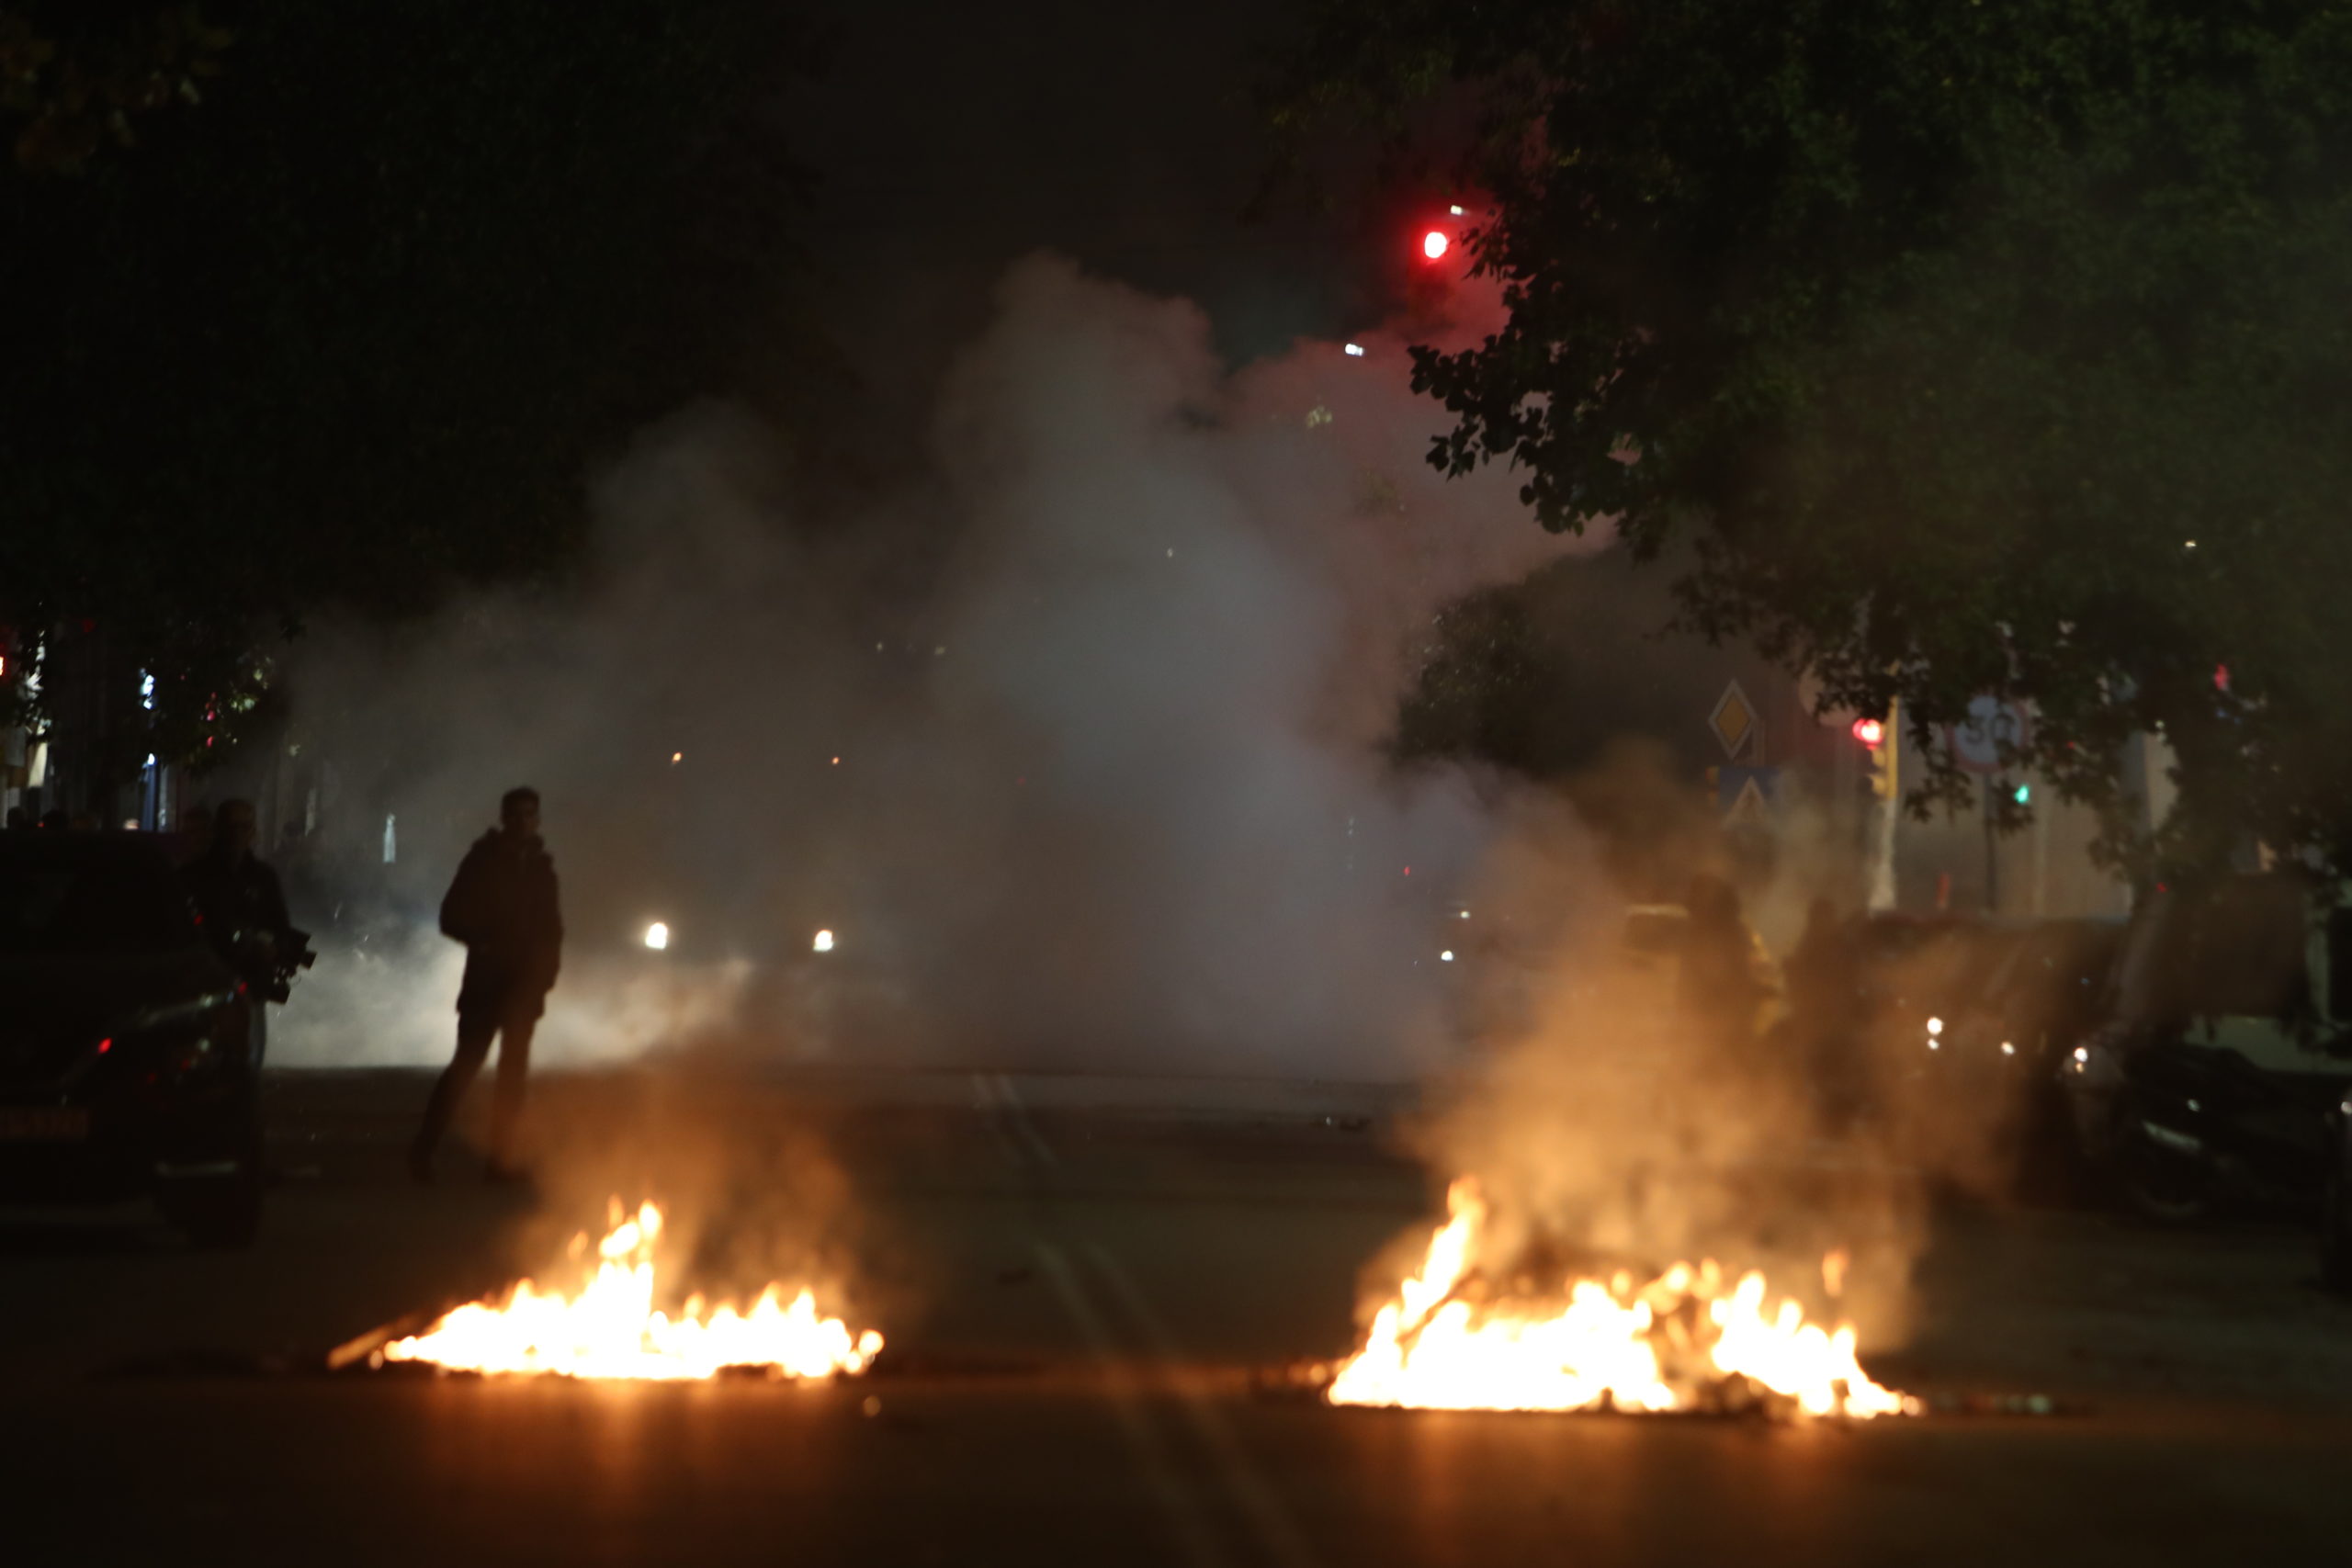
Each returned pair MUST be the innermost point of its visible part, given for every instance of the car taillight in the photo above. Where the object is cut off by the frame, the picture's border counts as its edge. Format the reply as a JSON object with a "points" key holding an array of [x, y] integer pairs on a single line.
{"points": [[187, 1055]]}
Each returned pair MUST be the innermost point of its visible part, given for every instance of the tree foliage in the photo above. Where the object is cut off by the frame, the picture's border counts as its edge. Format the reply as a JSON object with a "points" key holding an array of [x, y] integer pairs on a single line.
{"points": [[357, 328], [1972, 348], [77, 78]]}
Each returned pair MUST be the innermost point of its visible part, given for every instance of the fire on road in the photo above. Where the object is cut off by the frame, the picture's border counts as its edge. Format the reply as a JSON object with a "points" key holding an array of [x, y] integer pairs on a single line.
{"points": [[612, 1329], [1679, 1342]]}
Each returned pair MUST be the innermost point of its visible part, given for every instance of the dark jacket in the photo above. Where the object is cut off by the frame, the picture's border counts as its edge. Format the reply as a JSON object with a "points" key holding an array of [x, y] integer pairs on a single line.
{"points": [[242, 904], [502, 904]]}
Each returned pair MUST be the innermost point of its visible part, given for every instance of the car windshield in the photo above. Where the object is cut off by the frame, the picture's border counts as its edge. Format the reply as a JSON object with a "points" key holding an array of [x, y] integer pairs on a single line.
{"points": [[114, 906]]}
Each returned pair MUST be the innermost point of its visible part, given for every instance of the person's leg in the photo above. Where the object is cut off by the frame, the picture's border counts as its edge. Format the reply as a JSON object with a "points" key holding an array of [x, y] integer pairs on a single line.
{"points": [[473, 1046], [507, 1100]]}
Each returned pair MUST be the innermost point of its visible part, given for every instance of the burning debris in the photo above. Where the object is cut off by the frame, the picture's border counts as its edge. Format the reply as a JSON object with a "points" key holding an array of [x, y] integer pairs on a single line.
{"points": [[1679, 1342], [611, 1329]]}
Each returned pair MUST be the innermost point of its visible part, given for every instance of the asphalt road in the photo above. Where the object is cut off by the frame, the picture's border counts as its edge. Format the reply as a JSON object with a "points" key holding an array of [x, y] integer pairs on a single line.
{"points": [[1081, 1282]]}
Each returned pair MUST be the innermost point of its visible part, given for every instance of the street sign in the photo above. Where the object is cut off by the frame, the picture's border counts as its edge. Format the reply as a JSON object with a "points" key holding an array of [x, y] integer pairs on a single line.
{"points": [[1746, 796], [1735, 721], [1992, 723]]}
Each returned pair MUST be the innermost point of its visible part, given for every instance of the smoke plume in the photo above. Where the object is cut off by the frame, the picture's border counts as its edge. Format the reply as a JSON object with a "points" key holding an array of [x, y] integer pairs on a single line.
{"points": [[1072, 740]]}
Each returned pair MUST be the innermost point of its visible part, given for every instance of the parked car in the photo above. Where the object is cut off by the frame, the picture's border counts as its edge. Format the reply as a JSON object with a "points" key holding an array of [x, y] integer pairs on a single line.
{"points": [[1912, 976], [2004, 1045], [2336, 1204], [1917, 971], [130, 1053], [2209, 1082]]}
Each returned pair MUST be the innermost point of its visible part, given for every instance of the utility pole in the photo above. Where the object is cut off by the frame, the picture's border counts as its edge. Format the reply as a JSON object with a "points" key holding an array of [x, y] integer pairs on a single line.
{"points": [[2041, 858], [1992, 846], [1886, 787]]}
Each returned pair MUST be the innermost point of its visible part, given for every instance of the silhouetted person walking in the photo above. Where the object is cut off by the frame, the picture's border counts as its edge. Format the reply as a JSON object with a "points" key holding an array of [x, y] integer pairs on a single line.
{"points": [[503, 907]]}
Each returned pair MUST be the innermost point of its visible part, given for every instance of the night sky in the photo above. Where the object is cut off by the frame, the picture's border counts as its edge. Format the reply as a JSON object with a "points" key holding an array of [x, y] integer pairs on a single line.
{"points": [[950, 140]]}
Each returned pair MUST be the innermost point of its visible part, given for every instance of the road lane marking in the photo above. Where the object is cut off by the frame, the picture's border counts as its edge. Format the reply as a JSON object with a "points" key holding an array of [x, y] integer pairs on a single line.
{"points": [[1198, 1544], [984, 1101], [1017, 1115], [1277, 1531]]}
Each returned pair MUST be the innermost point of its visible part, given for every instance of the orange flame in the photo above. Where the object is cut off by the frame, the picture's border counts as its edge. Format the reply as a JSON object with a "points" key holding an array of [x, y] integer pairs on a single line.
{"points": [[611, 1329], [1661, 1346]]}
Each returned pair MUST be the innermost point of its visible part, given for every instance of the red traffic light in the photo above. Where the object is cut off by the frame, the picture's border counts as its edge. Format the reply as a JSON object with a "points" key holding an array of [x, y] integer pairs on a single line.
{"points": [[1870, 732], [1434, 243]]}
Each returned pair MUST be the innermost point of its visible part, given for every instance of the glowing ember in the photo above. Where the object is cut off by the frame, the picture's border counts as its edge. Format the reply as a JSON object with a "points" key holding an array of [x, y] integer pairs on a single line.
{"points": [[611, 1329], [1663, 1346]]}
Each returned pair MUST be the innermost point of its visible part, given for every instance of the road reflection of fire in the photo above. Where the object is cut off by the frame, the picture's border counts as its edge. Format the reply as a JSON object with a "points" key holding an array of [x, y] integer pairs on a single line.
{"points": [[611, 1328], [1679, 1342]]}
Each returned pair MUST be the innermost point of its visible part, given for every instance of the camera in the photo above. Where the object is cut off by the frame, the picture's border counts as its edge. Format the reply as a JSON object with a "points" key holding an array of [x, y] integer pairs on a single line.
{"points": [[299, 954]]}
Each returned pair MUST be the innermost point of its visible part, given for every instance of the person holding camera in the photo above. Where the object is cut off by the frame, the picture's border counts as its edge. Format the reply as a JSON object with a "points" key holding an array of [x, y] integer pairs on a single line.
{"points": [[244, 908]]}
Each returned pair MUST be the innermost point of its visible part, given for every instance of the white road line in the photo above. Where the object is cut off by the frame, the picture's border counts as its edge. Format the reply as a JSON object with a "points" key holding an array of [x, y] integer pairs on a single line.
{"points": [[984, 1101], [1199, 1545], [1280, 1534], [1023, 1128]]}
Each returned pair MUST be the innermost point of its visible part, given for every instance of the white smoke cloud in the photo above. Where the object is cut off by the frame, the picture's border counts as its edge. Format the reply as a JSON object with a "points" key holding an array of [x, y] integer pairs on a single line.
{"points": [[1106, 680]]}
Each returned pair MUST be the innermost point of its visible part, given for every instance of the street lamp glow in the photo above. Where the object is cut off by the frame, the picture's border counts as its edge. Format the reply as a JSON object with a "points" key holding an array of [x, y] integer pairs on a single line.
{"points": [[1433, 243], [824, 942], [1354, 351], [657, 936]]}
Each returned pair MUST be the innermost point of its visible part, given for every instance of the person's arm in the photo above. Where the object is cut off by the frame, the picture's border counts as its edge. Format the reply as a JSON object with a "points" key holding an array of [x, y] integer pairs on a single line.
{"points": [[555, 925], [273, 906], [461, 911]]}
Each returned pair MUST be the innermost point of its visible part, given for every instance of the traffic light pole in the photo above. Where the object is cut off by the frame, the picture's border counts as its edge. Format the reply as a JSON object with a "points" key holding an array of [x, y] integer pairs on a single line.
{"points": [[2041, 856], [1886, 784], [1992, 847]]}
